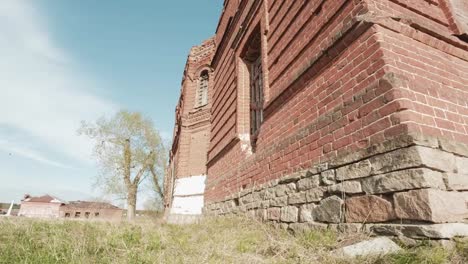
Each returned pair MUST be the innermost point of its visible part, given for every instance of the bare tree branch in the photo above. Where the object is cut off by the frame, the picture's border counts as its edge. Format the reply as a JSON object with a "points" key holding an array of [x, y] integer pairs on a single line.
{"points": [[144, 167], [159, 190]]}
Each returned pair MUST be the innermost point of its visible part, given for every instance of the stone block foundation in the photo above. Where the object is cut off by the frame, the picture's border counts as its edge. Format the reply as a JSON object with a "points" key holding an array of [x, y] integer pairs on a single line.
{"points": [[411, 185]]}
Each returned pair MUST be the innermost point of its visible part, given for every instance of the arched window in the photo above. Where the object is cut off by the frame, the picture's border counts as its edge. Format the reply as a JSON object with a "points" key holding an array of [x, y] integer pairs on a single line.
{"points": [[202, 91]]}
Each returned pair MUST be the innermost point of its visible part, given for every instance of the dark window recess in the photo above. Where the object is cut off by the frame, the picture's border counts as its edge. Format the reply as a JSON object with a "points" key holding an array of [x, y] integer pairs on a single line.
{"points": [[96, 214], [77, 214], [87, 214], [256, 97], [67, 214], [253, 59], [202, 91]]}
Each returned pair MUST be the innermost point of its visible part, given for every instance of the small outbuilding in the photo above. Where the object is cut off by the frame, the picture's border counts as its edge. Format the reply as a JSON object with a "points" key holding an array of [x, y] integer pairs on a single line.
{"points": [[91, 210], [48, 206], [45, 206]]}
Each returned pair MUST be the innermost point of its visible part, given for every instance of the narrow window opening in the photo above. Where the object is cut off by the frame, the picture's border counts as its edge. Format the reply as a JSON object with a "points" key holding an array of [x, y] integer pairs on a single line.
{"points": [[67, 215], [77, 214], [87, 214], [253, 59], [96, 214], [202, 91]]}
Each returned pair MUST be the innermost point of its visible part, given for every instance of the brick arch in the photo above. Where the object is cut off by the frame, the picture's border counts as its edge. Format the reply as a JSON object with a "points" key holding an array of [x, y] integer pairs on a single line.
{"points": [[200, 69]]}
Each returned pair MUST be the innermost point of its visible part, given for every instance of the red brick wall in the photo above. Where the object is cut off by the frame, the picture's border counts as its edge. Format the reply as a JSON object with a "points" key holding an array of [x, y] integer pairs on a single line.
{"points": [[341, 76], [191, 133], [198, 149], [106, 214]]}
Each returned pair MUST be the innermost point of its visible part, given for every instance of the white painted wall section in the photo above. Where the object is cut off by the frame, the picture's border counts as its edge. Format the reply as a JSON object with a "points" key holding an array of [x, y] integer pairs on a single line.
{"points": [[191, 205], [194, 185], [188, 195]]}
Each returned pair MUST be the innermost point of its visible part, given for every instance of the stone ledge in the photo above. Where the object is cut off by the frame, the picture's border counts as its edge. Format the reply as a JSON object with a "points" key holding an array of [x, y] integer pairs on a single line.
{"points": [[434, 231]]}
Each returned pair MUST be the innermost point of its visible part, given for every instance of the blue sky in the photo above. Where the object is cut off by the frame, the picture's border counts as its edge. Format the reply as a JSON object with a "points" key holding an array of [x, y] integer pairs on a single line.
{"points": [[67, 61]]}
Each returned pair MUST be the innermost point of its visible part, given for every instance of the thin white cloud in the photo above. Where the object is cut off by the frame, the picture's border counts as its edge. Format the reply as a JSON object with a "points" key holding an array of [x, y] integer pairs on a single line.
{"points": [[16, 149], [42, 94]]}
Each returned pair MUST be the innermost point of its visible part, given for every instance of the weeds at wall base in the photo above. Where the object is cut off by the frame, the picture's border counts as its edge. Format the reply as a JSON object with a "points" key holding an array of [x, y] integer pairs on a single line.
{"points": [[218, 240]]}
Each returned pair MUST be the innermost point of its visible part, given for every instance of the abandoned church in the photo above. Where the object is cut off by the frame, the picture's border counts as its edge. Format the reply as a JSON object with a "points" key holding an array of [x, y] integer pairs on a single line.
{"points": [[343, 113]]}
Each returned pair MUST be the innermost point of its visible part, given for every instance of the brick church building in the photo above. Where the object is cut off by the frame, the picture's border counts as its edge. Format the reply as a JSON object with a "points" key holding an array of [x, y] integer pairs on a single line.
{"points": [[319, 113], [185, 183]]}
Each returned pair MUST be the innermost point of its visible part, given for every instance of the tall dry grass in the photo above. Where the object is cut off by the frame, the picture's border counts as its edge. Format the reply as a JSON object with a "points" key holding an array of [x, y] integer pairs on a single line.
{"points": [[221, 240]]}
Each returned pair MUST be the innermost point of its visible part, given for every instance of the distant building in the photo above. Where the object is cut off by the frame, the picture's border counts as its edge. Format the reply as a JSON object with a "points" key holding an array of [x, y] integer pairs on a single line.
{"points": [[48, 206], [45, 206], [91, 210]]}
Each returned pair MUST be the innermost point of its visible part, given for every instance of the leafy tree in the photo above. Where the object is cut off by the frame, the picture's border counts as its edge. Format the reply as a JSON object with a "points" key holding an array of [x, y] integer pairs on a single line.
{"points": [[158, 169], [128, 148]]}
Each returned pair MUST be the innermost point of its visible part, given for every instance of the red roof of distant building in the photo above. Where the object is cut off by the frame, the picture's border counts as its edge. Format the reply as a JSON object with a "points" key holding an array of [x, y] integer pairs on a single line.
{"points": [[92, 205], [44, 199]]}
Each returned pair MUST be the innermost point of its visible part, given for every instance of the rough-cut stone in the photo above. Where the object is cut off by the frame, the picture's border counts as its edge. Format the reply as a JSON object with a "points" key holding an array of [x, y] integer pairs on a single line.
{"points": [[376, 246], [453, 147], [329, 210], [462, 165], [423, 140], [297, 198], [285, 189], [279, 201], [265, 204], [253, 205], [394, 143], [256, 196], [304, 227], [261, 214], [328, 177], [414, 156], [305, 213], [308, 183], [403, 180], [435, 231], [289, 214], [346, 228], [410, 157], [368, 209], [321, 167], [437, 159], [291, 178], [242, 208], [346, 187], [395, 160], [431, 205], [456, 181], [315, 195], [274, 213], [407, 242], [269, 193], [246, 199], [354, 171]]}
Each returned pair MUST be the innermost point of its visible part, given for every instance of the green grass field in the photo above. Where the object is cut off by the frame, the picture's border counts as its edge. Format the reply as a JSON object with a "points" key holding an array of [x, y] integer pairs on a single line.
{"points": [[221, 240]]}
